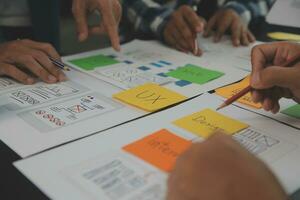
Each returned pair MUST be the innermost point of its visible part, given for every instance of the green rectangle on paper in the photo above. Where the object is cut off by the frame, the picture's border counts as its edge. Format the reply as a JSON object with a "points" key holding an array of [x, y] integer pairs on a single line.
{"points": [[194, 74], [293, 111], [92, 62]]}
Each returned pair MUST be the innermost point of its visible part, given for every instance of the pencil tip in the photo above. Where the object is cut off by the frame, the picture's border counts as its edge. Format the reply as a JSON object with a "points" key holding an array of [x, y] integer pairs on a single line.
{"points": [[67, 68], [221, 106]]}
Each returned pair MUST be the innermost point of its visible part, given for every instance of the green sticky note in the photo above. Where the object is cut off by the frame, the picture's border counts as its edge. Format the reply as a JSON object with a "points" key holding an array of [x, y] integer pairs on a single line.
{"points": [[92, 62], [194, 74], [293, 111]]}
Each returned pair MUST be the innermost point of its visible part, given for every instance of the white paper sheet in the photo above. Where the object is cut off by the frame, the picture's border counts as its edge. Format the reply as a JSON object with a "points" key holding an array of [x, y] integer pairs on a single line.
{"points": [[158, 60], [224, 53], [34, 118], [285, 13], [61, 173]]}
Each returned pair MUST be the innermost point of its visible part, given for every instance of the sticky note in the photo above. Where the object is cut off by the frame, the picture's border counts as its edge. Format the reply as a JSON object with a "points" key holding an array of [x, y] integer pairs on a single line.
{"points": [[284, 36], [230, 90], [194, 74], [92, 62], [293, 111], [160, 149], [207, 121], [149, 97]]}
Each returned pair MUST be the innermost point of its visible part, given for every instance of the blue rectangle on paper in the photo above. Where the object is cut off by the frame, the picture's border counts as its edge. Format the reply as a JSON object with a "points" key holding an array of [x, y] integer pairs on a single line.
{"points": [[162, 75], [164, 62], [127, 62], [182, 83], [156, 65], [144, 68]]}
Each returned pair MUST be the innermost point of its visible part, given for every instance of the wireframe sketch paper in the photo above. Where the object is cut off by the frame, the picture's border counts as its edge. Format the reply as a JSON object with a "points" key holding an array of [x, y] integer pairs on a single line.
{"points": [[137, 65], [89, 168]]}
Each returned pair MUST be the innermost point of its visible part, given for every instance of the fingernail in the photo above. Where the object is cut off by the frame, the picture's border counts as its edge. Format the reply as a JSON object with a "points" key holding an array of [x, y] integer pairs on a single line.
{"points": [[52, 78], [185, 51], [255, 79], [199, 28], [81, 37], [254, 98], [118, 48], [195, 52], [216, 38], [30, 81], [199, 53]]}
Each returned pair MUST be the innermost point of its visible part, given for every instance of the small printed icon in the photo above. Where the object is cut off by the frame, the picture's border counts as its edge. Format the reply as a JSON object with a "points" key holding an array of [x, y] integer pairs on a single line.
{"points": [[77, 109], [48, 116], [60, 123], [40, 112], [54, 120], [90, 97]]}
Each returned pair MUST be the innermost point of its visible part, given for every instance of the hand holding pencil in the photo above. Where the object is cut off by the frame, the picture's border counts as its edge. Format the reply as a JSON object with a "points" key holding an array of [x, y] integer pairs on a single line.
{"points": [[275, 74], [182, 28]]}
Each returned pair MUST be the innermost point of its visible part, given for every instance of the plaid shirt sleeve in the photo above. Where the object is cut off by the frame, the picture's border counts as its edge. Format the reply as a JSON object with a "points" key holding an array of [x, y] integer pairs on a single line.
{"points": [[148, 16], [250, 10]]}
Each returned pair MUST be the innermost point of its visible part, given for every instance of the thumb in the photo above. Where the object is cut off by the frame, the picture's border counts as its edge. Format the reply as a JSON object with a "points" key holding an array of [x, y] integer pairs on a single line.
{"points": [[272, 76]]}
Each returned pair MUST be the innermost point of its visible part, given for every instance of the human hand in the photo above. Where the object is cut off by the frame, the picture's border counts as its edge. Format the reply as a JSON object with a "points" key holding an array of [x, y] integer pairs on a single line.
{"points": [[228, 20], [270, 79], [182, 28], [31, 56], [219, 168], [110, 11]]}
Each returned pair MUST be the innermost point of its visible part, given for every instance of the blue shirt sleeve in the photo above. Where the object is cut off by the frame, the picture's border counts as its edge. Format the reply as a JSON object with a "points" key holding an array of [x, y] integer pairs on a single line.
{"points": [[249, 10], [148, 16]]}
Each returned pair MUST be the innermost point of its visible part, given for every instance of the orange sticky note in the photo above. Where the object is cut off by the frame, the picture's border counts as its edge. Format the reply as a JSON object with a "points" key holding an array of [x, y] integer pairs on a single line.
{"points": [[160, 149], [230, 90], [149, 97], [206, 122]]}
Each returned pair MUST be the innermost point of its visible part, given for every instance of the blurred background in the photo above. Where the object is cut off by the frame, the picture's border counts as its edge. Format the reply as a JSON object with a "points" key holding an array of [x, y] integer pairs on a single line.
{"points": [[68, 37]]}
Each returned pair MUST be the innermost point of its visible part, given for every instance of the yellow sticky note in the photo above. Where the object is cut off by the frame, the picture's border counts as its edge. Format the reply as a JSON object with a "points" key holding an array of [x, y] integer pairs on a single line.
{"points": [[284, 36], [230, 90], [149, 97], [206, 122]]}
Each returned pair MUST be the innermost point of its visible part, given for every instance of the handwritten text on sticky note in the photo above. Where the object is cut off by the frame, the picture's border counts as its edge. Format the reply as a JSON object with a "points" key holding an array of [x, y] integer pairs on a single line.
{"points": [[160, 149], [149, 97], [206, 122], [230, 90]]}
